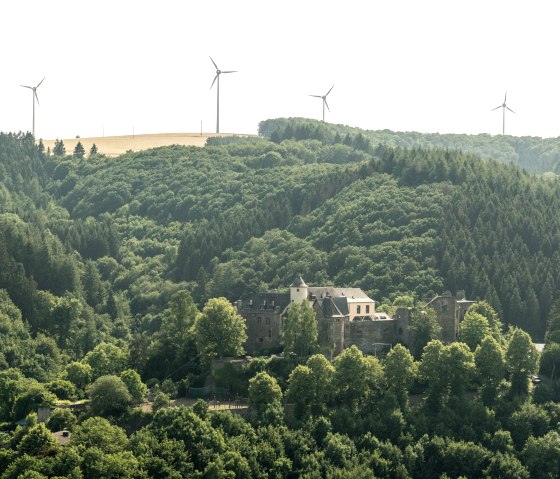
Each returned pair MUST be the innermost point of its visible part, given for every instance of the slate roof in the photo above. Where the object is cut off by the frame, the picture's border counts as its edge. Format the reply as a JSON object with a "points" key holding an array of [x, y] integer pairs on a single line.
{"points": [[298, 282], [272, 302], [350, 293]]}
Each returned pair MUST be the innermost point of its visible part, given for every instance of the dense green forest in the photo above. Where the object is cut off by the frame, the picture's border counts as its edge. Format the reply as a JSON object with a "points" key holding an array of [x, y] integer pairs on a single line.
{"points": [[538, 155], [111, 267]]}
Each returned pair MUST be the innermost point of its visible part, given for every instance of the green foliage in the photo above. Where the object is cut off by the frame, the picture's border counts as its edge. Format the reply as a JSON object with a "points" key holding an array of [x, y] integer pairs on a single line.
{"points": [[484, 309], [265, 399], [542, 455], [106, 359], [59, 148], [400, 371], [35, 395], [99, 433], [474, 328], [161, 400], [79, 150], [219, 330], [109, 394], [134, 384], [61, 419], [550, 360], [91, 253], [522, 359], [423, 328], [62, 389], [490, 367], [80, 374], [37, 441], [299, 330], [355, 374]]}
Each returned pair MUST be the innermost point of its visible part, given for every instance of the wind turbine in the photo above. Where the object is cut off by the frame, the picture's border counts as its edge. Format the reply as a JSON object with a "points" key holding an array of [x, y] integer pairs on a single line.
{"points": [[217, 77], [324, 98], [504, 106], [34, 97]]}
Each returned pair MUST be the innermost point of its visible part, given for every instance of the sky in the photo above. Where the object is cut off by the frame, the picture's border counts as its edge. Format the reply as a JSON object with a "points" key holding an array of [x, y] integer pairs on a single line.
{"points": [[121, 67]]}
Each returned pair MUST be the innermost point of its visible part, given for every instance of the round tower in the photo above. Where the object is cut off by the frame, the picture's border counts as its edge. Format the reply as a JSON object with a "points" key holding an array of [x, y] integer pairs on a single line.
{"points": [[298, 290]]}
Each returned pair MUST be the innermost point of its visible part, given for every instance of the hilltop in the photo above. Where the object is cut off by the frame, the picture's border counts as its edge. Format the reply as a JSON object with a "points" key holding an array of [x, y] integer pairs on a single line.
{"points": [[537, 155], [117, 145]]}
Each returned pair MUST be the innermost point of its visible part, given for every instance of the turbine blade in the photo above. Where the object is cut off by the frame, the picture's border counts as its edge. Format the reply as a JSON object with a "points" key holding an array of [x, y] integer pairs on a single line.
{"points": [[214, 81], [36, 97], [500, 106], [25, 86], [230, 71], [40, 82], [325, 100], [510, 109], [316, 96], [505, 97], [329, 90], [214, 63]]}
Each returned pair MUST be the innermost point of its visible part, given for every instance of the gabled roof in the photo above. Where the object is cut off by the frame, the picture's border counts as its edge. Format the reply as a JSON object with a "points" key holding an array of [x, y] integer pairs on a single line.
{"points": [[330, 308]]}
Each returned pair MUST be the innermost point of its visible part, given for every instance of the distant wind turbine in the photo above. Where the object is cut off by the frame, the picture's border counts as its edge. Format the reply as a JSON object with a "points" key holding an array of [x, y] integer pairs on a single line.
{"points": [[34, 97], [504, 106], [217, 77], [324, 98]]}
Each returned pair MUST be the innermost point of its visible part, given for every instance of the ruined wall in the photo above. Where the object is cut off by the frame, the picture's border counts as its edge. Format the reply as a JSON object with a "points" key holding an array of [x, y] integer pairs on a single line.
{"points": [[447, 316], [402, 317], [263, 331], [364, 334], [330, 333]]}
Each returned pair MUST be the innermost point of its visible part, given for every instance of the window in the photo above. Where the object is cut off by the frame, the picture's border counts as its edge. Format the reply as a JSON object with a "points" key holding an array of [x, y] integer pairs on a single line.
{"points": [[270, 333], [259, 320], [260, 340], [358, 309], [367, 308], [267, 321]]}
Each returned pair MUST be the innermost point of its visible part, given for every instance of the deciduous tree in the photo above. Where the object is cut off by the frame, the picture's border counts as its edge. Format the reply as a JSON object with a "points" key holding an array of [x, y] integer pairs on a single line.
{"points": [[219, 330], [299, 330]]}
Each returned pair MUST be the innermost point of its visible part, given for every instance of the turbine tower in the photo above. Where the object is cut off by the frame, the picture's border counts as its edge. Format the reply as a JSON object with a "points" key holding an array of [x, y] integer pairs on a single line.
{"points": [[324, 98], [34, 97], [503, 106], [217, 77]]}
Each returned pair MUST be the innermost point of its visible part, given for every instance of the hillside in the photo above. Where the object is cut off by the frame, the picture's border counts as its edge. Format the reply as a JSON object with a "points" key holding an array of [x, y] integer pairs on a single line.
{"points": [[246, 215], [538, 155], [111, 271]]}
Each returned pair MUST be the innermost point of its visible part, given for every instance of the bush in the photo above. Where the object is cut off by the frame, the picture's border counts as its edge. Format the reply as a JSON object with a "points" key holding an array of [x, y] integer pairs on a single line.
{"points": [[61, 419], [109, 395]]}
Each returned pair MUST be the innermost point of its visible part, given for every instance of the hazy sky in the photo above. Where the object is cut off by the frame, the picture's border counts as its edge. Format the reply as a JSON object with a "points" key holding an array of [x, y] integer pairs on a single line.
{"points": [[429, 66]]}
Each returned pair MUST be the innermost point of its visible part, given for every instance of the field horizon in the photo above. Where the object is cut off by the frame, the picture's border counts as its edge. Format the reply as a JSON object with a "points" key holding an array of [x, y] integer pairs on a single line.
{"points": [[117, 145]]}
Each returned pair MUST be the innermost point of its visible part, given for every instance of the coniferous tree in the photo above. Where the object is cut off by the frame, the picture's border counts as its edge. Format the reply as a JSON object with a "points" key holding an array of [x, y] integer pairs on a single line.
{"points": [[79, 150], [59, 148]]}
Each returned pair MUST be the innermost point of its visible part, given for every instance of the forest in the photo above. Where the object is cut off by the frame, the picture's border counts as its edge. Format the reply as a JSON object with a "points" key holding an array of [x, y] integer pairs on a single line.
{"points": [[114, 273]]}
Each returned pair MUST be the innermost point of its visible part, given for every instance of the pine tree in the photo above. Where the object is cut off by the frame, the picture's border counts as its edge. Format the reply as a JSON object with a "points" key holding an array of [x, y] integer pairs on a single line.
{"points": [[79, 150], [93, 150], [59, 148]]}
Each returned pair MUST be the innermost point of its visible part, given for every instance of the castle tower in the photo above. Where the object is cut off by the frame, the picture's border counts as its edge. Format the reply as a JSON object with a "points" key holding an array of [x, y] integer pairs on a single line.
{"points": [[298, 290]]}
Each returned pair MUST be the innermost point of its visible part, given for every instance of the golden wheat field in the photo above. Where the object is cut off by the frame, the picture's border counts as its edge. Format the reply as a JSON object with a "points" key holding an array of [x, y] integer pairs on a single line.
{"points": [[117, 145]]}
